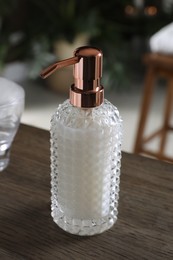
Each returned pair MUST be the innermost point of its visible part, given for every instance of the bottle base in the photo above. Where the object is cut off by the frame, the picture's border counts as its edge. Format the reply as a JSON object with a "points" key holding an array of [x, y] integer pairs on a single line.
{"points": [[83, 227]]}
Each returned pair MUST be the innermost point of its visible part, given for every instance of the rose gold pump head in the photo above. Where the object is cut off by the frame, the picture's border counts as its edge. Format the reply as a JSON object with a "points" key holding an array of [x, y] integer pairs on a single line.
{"points": [[86, 91]]}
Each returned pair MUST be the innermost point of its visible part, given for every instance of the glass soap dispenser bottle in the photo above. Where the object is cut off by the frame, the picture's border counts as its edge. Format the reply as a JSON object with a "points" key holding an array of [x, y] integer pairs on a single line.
{"points": [[85, 150]]}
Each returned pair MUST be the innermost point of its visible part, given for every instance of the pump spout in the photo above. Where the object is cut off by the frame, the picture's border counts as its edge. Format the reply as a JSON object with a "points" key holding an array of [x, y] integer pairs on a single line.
{"points": [[58, 65]]}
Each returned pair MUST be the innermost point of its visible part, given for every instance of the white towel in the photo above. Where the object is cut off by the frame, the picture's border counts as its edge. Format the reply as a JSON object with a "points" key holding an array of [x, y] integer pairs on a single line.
{"points": [[162, 41]]}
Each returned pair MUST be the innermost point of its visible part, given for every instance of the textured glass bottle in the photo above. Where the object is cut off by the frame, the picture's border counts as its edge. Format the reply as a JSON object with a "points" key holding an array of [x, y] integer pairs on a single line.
{"points": [[85, 150], [85, 167]]}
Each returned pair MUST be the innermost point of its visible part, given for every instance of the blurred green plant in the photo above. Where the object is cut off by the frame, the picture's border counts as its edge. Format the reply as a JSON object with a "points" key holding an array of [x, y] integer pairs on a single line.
{"points": [[62, 18], [29, 28]]}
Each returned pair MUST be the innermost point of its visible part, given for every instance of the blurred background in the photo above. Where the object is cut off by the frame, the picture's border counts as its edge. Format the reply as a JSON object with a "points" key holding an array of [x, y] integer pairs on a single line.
{"points": [[35, 33]]}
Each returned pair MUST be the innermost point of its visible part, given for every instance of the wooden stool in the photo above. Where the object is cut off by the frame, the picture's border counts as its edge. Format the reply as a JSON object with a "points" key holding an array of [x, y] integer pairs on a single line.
{"points": [[158, 65]]}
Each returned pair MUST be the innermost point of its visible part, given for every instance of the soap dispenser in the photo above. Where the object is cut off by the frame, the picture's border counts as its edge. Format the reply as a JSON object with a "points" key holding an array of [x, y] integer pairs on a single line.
{"points": [[85, 150]]}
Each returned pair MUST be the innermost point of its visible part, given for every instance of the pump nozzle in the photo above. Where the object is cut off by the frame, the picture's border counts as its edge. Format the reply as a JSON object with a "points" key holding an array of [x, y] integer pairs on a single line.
{"points": [[58, 65], [86, 90]]}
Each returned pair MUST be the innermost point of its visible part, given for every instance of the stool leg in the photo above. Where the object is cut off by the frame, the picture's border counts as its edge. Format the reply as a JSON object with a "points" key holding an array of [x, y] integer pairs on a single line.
{"points": [[146, 101], [167, 115]]}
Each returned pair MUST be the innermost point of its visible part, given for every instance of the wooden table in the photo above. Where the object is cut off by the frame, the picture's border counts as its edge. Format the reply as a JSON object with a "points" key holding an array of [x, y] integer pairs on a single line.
{"points": [[144, 229]]}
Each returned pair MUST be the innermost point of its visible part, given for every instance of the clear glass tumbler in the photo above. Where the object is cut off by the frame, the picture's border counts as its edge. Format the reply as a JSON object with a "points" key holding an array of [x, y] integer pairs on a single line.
{"points": [[12, 99]]}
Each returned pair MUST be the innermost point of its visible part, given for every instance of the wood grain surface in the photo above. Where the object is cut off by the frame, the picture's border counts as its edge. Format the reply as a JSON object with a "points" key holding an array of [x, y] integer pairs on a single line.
{"points": [[144, 229]]}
